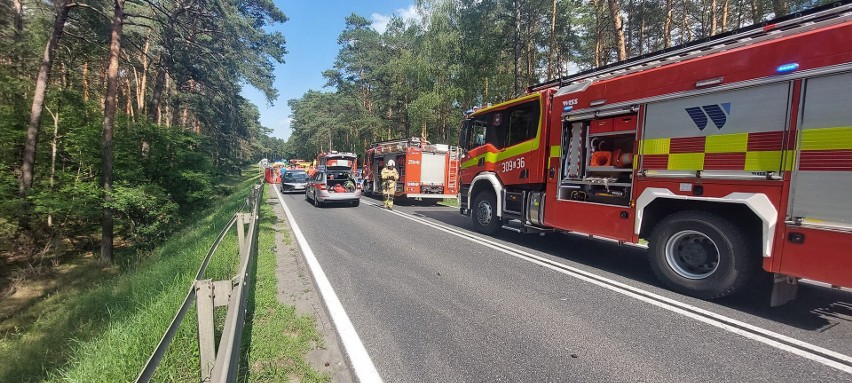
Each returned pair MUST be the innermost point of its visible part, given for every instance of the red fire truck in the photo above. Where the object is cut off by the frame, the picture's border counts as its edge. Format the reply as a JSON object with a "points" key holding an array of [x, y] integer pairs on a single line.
{"points": [[725, 155], [428, 172]]}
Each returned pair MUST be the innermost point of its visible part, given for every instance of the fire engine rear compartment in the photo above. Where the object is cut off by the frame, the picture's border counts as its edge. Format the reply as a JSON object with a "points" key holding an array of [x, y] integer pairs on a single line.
{"points": [[597, 159]]}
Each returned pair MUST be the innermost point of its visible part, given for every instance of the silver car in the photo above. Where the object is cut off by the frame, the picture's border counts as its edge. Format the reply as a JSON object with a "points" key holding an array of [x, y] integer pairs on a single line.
{"points": [[294, 181], [333, 186]]}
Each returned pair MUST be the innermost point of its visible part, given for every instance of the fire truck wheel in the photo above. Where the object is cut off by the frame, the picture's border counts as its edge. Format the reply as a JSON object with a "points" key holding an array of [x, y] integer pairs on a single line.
{"points": [[702, 255], [484, 215]]}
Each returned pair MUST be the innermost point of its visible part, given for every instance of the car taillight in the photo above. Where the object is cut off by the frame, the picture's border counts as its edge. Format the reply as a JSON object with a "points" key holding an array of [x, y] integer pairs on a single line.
{"points": [[321, 186]]}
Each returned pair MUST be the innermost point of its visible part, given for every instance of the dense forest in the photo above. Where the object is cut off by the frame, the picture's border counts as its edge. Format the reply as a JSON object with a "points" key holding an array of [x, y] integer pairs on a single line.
{"points": [[116, 117], [418, 77]]}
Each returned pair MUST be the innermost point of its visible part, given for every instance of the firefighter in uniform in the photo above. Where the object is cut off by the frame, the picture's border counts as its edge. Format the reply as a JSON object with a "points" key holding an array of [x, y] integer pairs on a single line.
{"points": [[389, 177]]}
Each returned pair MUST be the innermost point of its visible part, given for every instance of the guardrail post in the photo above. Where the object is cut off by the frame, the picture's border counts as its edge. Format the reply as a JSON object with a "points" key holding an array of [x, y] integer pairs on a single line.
{"points": [[204, 294], [210, 294], [241, 234]]}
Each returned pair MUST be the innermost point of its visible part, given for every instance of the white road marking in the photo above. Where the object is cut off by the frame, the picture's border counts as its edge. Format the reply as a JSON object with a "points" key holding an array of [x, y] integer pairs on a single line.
{"points": [[782, 342], [365, 370]]}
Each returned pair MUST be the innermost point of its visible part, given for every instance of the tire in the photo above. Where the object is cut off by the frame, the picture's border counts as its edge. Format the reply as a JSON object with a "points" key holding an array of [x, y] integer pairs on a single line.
{"points": [[307, 198], [317, 202], [484, 213], [356, 203], [703, 255]]}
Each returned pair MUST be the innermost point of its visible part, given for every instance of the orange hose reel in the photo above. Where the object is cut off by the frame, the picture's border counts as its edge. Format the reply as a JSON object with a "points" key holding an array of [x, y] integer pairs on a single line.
{"points": [[601, 158]]}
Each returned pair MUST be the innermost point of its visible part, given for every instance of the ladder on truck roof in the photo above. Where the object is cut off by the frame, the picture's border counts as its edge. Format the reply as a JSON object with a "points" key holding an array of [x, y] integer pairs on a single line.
{"points": [[406, 141], [395, 145], [453, 167], [819, 17]]}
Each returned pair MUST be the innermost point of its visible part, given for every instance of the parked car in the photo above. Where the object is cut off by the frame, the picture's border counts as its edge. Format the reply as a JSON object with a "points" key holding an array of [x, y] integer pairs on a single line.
{"points": [[294, 181], [333, 186]]}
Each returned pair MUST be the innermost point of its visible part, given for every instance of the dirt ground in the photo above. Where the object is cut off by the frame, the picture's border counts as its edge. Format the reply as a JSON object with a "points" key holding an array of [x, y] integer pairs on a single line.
{"points": [[296, 288]]}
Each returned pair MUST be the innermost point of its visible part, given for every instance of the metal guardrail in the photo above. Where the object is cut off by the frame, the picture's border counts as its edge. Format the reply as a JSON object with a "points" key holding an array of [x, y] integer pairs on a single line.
{"points": [[217, 364]]}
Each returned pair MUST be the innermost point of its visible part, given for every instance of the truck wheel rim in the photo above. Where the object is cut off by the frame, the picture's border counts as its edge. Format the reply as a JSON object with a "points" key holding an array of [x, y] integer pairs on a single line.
{"points": [[692, 254], [483, 213]]}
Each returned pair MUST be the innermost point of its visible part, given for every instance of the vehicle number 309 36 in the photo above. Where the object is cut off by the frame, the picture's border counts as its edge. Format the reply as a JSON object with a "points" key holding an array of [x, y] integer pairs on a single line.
{"points": [[517, 163]]}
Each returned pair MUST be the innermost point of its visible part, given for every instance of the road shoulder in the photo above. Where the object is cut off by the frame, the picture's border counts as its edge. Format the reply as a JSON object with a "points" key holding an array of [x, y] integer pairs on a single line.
{"points": [[296, 288]]}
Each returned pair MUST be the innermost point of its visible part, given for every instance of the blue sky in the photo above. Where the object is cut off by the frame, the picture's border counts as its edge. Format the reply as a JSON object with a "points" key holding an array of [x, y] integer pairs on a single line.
{"points": [[311, 33]]}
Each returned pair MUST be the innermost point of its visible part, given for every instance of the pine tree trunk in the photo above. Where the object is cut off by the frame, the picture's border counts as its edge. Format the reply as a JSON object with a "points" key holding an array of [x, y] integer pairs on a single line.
{"points": [[780, 7], [154, 114], [713, 18], [642, 28], [552, 47], [53, 150], [667, 28], [129, 99], [531, 25], [85, 76], [618, 27], [31, 141], [110, 105], [18, 19], [517, 46], [756, 11], [142, 84], [724, 26], [596, 4], [686, 31]]}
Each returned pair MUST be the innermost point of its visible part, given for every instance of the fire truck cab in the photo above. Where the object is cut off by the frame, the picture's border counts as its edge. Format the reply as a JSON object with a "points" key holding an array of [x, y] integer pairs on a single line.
{"points": [[727, 156]]}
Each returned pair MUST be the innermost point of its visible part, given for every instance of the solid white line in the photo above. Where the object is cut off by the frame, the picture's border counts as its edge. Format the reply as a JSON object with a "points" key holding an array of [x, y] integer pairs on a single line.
{"points": [[768, 337], [365, 370]]}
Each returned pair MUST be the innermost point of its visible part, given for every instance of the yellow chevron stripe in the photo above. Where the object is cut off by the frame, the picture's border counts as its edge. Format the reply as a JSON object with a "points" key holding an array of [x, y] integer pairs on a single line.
{"points": [[763, 161], [726, 143], [655, 146], [556, 151], [826, 138], [686, 161], [789, 160]]}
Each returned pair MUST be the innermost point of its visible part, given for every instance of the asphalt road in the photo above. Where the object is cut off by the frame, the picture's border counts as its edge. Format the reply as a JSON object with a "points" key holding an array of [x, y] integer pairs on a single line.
{"points": [[433, 305]]}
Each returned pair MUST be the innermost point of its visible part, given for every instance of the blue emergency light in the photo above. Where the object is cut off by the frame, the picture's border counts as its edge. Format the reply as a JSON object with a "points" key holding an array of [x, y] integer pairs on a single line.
{"points": [[567, 108], [787, 68]]}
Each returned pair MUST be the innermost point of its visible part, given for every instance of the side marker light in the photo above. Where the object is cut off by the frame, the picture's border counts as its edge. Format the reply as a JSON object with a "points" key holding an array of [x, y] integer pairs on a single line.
{"points": [[787, 68]]}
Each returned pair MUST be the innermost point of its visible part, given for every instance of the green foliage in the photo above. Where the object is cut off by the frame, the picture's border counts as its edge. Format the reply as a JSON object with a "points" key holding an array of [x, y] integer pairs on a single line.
{"points": [[102, 325], [147, 215]]}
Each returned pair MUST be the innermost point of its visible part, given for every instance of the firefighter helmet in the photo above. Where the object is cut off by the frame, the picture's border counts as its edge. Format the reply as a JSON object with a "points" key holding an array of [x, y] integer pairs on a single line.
{"points": [[391, 164]]}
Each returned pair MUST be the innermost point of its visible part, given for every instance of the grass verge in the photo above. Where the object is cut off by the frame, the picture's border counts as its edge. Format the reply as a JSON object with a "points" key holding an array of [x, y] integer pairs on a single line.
{"points": [[103, 330], [454, 202], [276, 338]]}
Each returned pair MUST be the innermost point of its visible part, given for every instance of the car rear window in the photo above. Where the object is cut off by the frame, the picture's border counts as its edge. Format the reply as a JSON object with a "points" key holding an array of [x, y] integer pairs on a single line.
{"points": [[296, 176]]}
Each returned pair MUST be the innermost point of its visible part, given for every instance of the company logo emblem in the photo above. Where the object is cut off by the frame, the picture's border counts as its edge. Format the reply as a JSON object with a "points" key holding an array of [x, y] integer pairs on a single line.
{"points": [[718, 113]]}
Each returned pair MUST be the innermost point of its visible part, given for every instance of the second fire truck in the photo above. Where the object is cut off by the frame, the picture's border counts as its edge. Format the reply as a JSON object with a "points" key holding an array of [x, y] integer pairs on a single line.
{"points": [[727, 156], [428, 172]]}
